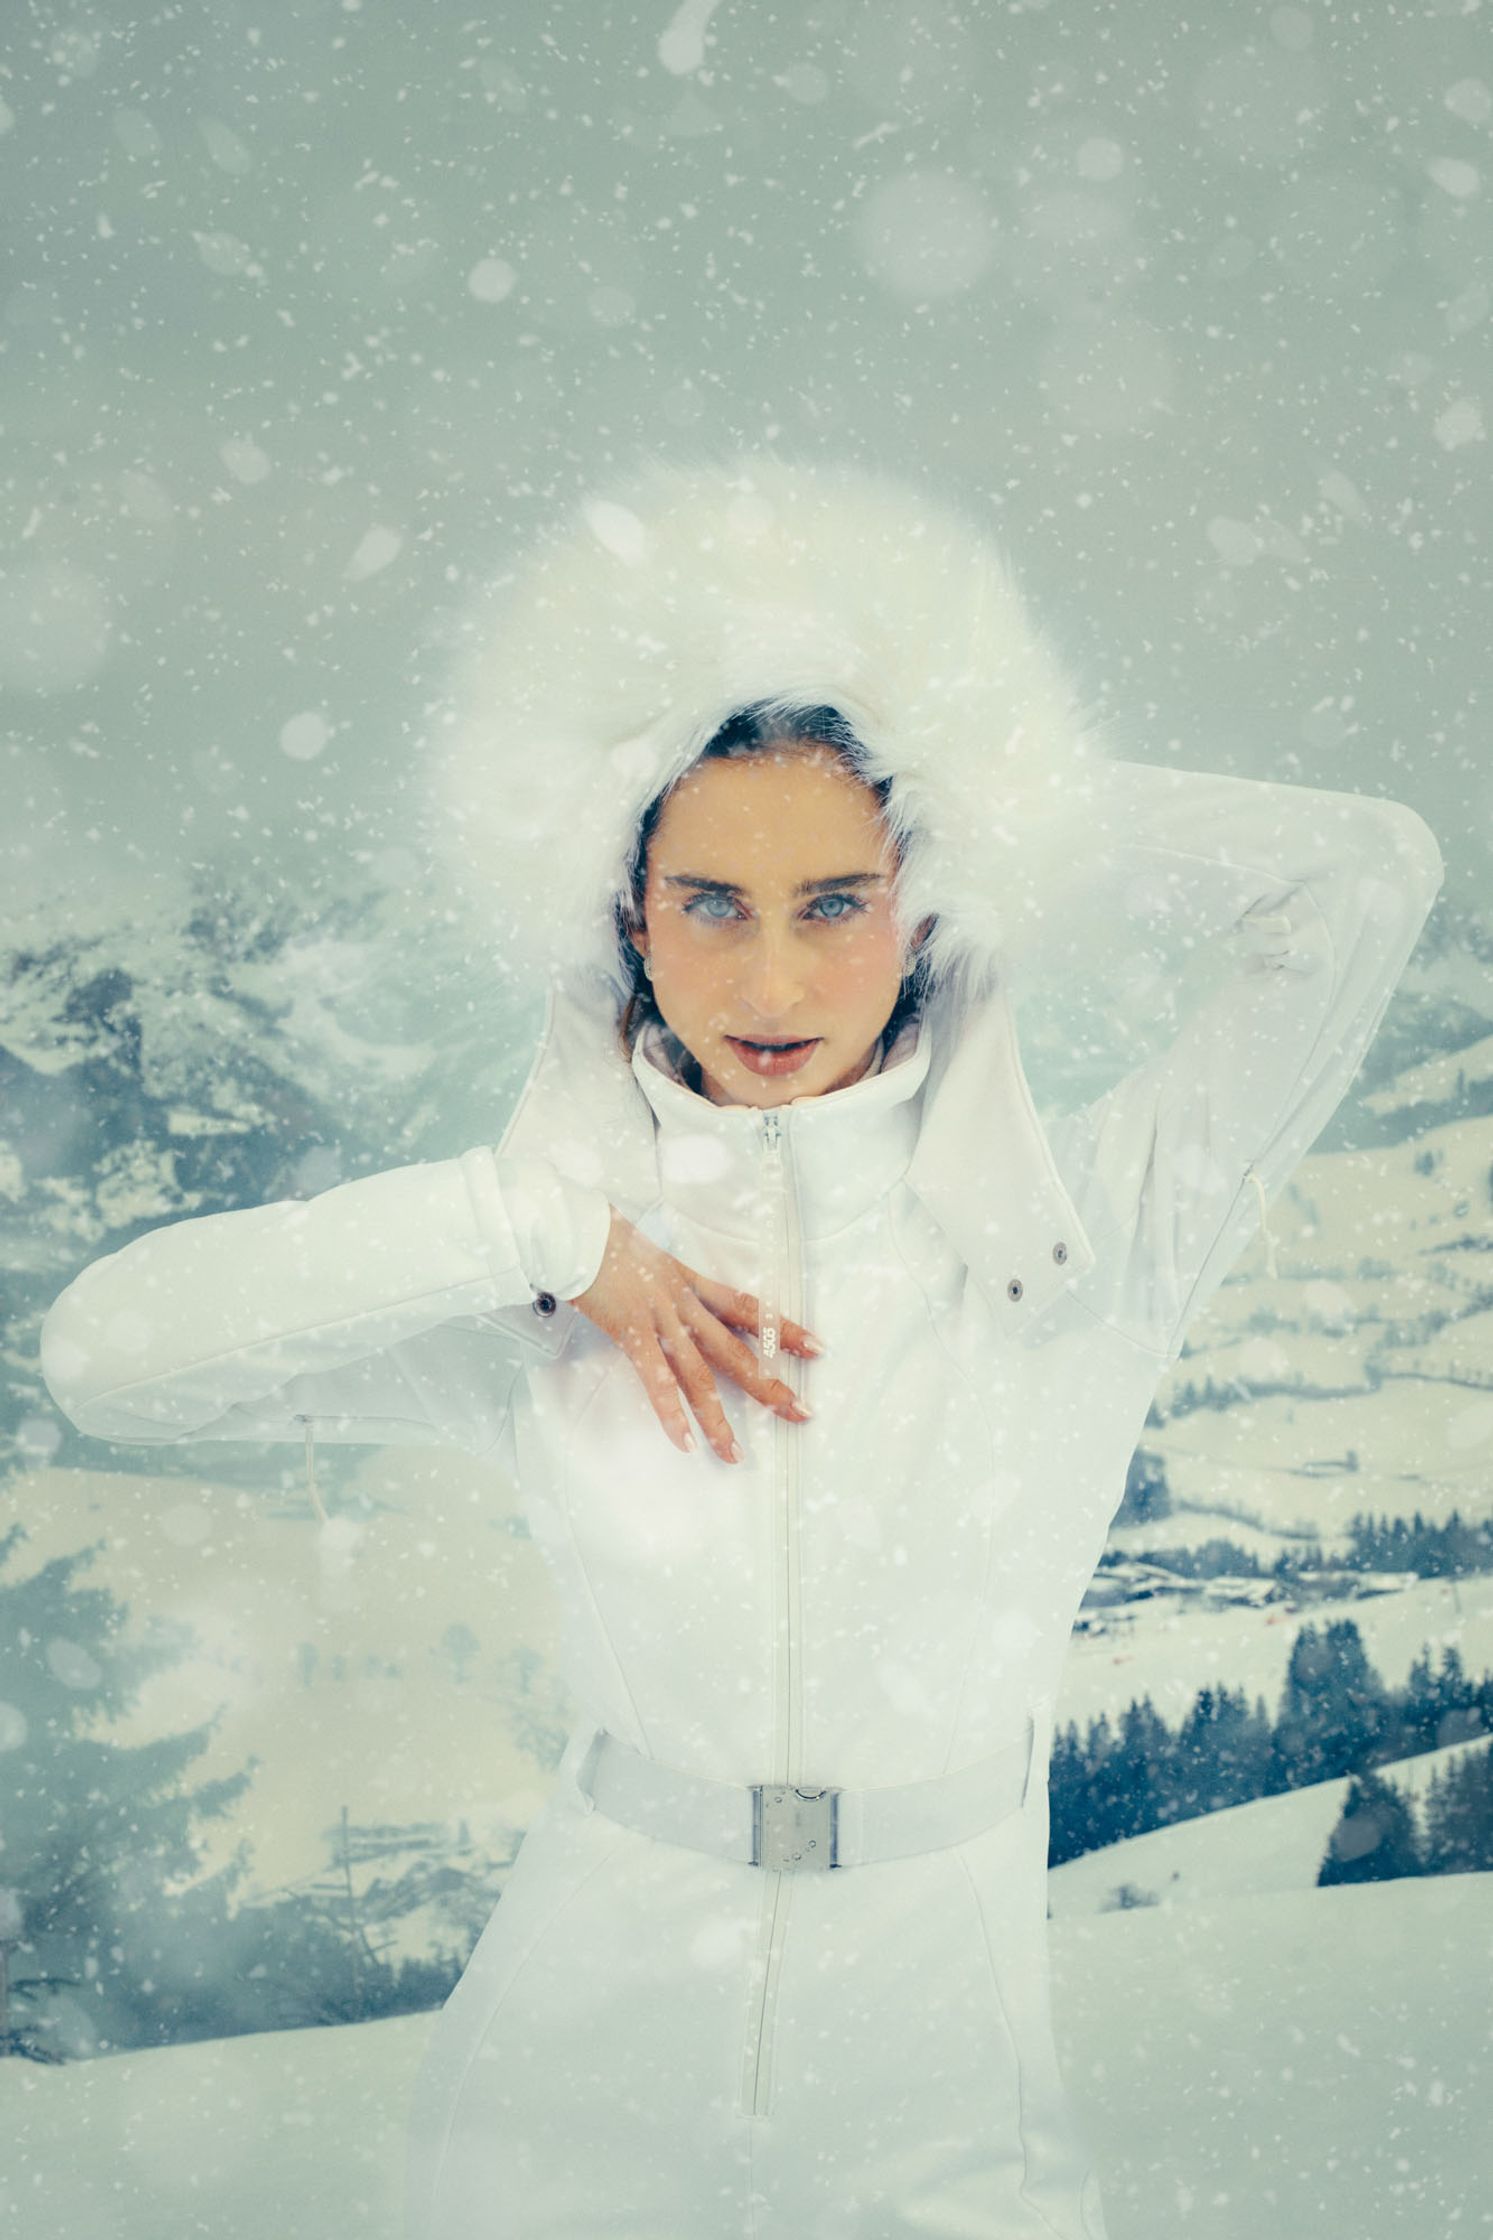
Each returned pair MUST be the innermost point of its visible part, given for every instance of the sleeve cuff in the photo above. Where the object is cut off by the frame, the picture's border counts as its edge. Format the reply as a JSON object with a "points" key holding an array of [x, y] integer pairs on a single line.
{"points": [[560, 1227]]}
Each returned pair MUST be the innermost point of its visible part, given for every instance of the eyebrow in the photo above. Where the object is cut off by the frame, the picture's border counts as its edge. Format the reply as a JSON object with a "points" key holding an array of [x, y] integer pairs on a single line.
{"points": [[807, 886]]}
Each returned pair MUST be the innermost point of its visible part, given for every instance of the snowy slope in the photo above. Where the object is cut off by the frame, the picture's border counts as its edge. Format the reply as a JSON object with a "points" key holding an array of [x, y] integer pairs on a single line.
{"points": [[1445, 1075], [1360, 1375], [1312, 2066], [1297, 2063], [1168, 1650], [1274, 1844]]}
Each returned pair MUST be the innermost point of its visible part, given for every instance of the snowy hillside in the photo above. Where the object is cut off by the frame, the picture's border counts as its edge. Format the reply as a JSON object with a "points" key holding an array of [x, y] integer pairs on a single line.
{"points": [[1168, 1649], [1276, 1845], [1359, 1376], [1297, 2063]]}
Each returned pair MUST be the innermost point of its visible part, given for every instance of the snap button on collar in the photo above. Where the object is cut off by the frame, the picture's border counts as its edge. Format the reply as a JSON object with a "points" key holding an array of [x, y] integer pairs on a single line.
{"points": [[1013, 1288], [544, 1302], [1060, 1252]]}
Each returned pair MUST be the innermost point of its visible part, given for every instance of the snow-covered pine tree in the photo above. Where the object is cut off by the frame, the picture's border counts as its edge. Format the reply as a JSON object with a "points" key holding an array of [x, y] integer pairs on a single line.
{"points": [[106, 1944], [1376, 1839]]}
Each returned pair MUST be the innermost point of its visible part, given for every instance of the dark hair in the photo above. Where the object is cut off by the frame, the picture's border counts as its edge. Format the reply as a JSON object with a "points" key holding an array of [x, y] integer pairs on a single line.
{"points": [[764, 723]]}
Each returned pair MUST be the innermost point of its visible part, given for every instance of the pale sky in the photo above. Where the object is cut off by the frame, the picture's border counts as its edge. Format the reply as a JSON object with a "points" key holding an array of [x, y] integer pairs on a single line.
{"points": [[310, 315]]}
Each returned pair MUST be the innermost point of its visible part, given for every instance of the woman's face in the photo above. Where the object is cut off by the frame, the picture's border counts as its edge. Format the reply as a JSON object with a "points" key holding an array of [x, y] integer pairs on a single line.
{"points": [[768, 919]]}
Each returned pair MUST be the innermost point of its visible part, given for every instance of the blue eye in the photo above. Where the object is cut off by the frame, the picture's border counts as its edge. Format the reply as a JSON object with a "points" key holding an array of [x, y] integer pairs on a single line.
{"points": [[698, 907]]}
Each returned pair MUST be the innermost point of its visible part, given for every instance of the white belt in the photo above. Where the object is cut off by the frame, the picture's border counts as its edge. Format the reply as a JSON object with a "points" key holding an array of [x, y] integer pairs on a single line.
{"points": [[789, 1824]]}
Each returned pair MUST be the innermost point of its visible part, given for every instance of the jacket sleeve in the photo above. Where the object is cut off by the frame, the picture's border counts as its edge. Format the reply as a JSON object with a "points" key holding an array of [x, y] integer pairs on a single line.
{"points": [[395, 1309], [1319, 898]]}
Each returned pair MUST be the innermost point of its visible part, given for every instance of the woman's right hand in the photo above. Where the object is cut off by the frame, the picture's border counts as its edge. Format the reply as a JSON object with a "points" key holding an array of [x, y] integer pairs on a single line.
{"points": [[675, 1326]]}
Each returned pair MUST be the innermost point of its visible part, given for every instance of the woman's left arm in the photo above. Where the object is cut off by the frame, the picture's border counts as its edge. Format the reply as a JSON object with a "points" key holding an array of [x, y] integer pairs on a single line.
{"points": [[1324, 894]]}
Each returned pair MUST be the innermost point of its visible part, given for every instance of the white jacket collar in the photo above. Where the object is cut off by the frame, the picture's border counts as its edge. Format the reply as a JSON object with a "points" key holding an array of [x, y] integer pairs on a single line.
{"points": [[980, 1164], [848, 1147], [984, 1169]]}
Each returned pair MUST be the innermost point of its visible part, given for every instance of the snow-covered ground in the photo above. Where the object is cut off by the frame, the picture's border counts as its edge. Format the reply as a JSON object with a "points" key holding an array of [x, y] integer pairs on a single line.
{"points": [[1309, 2064]]}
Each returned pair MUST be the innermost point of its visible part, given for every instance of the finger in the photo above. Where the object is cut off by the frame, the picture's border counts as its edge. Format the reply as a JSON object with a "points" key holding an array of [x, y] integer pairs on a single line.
{"points": [[712, 1336], [739, 1362], [739, 1308], [743, 1311], [662, 1388], [694, 1375]]}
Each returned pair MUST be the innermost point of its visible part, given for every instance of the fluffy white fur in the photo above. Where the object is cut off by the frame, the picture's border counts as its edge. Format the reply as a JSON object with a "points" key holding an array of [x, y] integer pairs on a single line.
{"points": [[593, 675]]}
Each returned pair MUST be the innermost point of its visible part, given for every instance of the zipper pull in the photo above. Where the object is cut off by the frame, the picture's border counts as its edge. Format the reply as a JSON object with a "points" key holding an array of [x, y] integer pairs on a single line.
{"points": [[311, 1485], [1270, 1267]]}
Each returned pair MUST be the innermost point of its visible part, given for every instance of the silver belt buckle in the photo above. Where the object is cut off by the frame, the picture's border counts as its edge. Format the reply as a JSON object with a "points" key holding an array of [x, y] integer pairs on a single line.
{"points": [[793, 1827]]}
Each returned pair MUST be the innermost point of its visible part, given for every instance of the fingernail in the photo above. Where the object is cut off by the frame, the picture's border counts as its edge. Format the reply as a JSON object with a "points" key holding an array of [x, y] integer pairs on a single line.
{"points": [[813, 1345], [801, 1410], [688, 1442], [733, 1452]]}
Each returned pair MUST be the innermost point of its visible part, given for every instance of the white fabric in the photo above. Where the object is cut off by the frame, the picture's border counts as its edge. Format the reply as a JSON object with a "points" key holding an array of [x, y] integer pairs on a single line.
{"points": [[559, 1227], [648, 2040]]}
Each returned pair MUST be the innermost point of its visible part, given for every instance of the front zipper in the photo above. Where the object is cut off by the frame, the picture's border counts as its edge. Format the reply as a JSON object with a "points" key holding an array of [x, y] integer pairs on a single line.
{"points": [[780, 1300]]}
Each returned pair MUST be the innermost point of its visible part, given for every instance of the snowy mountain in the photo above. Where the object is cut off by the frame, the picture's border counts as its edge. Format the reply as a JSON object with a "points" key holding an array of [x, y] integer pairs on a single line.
{"points": [[217, 1052]]}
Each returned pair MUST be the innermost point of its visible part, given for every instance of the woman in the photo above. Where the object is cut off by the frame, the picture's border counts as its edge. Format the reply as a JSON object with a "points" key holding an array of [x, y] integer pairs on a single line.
{"points": [[767, 769]]}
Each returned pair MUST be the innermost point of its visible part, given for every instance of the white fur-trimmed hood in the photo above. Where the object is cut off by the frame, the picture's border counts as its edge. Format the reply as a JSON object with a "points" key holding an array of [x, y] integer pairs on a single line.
{"points": [[591, 676]]}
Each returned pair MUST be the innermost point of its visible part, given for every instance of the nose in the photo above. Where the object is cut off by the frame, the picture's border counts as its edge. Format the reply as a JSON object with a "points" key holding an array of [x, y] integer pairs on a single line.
{"points": [[772, 983]]}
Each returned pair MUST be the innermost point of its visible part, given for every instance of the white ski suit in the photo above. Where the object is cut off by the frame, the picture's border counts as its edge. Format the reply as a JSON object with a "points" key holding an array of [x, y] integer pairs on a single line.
{"points": [[651, 2041]]}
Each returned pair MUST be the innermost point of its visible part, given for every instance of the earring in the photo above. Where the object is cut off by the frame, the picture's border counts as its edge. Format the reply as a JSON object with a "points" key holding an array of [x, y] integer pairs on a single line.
{"points": [[648, 968]]}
